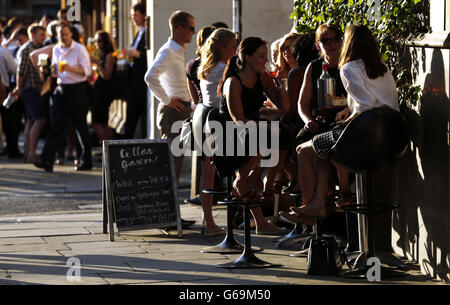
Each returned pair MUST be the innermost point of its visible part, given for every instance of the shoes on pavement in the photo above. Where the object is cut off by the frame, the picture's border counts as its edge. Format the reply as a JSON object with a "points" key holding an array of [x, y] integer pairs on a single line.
{"points": [[83, 167], [270, 230], [185, 224], [195, 200], [214, 232], [59, 161], [46, 165], [15, 155]]}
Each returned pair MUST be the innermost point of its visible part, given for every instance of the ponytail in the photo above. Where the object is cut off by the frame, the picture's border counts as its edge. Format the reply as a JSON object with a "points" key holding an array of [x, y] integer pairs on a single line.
{"points": [[233, 66]]}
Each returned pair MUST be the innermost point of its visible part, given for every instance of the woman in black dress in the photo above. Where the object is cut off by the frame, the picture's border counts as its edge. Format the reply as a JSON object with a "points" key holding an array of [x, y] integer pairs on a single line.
{"points": [[104, 86], [242, 89]]}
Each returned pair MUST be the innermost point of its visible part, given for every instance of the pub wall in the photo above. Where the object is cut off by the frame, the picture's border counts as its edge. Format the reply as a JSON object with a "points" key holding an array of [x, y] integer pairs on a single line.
{"points": [[421, 226]]}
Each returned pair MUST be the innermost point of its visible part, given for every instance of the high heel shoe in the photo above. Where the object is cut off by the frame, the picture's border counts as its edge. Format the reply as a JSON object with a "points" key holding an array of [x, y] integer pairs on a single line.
{"points": [[291, 185]]}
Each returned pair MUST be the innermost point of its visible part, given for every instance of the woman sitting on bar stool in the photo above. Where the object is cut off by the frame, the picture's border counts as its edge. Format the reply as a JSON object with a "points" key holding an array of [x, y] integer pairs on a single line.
{"points": [[328, 42], [220, 46], [369, 85], [242, 91]]}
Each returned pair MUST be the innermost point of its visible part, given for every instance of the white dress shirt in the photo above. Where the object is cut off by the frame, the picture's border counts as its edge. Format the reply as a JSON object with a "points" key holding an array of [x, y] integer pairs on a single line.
{"points": [[166, 77], [365, 93], [8, 66], [209, 86], [77, 56]]}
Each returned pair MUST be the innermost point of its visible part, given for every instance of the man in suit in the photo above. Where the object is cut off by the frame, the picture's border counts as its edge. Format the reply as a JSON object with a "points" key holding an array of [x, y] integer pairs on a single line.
{"points": [[137, 97]]}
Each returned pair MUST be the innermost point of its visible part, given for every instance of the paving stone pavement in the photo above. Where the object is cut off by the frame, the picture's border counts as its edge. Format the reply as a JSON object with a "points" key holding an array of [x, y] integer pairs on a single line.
{"points": [[42, 249], [40, 255]]}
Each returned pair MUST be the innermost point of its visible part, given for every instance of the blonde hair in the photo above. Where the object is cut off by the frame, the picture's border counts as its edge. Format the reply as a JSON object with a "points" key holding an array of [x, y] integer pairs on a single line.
{"points": [[275, 48], [281, 62], [202, 36], [210, 55]]}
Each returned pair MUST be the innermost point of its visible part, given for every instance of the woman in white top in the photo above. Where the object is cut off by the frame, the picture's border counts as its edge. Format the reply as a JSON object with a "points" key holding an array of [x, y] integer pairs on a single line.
{"points": [[71, 65], [220, 46], [369, 85]]}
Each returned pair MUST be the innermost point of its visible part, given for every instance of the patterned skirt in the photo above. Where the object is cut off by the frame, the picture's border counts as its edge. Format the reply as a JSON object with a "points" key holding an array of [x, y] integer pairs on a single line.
{"points": [[324, 142]]}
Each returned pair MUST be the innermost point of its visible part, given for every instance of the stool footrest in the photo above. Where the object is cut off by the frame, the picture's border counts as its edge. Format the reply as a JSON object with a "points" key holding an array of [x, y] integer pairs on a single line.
{"points": [[242, 203], [372, 209], [215, 191]]}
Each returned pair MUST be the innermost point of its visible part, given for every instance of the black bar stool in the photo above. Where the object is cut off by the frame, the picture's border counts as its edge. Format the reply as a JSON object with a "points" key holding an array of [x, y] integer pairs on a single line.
{"points": [[229, 245], [300, 234], [372, 140], [247, 260]]}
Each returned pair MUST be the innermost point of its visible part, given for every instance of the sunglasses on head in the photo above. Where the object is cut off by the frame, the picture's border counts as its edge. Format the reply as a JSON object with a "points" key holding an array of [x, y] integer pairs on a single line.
{"points": [[336, 38]]}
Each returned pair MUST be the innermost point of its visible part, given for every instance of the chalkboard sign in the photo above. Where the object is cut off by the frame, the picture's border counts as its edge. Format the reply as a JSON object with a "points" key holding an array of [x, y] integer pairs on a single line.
{"points": [[139, 187]]}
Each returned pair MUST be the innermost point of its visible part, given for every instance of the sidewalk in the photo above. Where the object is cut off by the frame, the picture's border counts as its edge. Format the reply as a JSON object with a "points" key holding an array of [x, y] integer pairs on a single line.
{"points": [[36, 249]]}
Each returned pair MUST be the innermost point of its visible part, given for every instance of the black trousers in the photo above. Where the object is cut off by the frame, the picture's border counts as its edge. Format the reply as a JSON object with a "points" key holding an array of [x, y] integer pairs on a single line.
{"points": [[11, 124], [69, 102], [136, 109]]}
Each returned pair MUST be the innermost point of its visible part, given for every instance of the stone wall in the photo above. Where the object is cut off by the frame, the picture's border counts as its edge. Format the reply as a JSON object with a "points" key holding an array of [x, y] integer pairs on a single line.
{"points": [[421, 226]]}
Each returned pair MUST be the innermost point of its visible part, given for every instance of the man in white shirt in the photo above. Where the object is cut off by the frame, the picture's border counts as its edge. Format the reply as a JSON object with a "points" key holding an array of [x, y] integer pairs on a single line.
{"points": [[167, 78], [168, 82]]}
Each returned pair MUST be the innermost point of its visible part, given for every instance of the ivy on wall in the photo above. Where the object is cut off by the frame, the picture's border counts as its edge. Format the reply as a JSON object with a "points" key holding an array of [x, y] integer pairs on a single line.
{"points": [[393, 22]]}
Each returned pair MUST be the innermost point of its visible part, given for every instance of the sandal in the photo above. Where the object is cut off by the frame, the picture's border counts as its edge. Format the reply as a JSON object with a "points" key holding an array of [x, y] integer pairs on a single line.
{"points": [[345, 199], [250, 196], [310, 212], [269, 194]]}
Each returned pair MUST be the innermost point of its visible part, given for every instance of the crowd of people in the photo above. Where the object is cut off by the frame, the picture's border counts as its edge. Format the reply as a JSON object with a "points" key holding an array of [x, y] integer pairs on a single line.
{"points": [[229, 81], [56, 78]]}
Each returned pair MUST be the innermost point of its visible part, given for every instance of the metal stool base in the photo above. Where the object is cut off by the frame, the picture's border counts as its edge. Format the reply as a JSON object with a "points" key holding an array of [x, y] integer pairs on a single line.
{"points": [[248, 261], [228, 246], [385, 273]]}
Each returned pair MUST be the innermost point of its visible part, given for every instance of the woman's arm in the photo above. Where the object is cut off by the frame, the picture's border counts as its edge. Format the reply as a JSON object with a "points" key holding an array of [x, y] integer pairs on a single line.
{"points": [[295, 81], [232, 91], [107, 72], [305, 102], [193, 91], [278, 96]]}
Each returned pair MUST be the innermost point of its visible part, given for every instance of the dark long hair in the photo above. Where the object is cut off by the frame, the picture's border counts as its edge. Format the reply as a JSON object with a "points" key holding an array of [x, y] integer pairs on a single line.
{"points": [[304, 50], [248, 46], [359, 43], [108, 45]]}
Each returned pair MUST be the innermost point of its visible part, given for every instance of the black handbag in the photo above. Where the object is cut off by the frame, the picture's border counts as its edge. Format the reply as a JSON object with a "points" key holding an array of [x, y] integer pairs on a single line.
{"points": [[326, 256]]}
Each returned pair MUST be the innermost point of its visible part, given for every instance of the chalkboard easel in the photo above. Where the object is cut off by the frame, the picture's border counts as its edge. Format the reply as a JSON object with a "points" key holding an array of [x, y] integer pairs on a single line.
{"points": [[139, 186]]}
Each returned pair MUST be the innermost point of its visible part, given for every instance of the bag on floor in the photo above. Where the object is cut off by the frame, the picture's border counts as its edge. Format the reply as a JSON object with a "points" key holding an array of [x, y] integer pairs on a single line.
{"points": [[325, 256]]}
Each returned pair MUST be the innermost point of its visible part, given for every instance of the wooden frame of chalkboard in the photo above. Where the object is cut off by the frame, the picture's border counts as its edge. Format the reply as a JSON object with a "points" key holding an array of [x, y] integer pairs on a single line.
{"points": [[139, 186]]}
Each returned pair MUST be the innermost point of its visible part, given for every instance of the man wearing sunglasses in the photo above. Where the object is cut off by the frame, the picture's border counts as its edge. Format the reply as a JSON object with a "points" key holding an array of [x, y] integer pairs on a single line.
{"points": [[167, 80]]}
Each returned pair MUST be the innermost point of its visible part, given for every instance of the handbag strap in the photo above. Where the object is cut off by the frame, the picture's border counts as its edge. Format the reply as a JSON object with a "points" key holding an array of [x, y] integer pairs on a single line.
{"points": [[342, 251]]}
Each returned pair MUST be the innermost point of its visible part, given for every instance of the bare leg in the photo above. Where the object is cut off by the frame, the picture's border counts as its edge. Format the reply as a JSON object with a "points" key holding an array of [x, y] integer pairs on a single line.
{"points": [[344, 185], [103, 131], [306, 171], [178, 166], [207, 182], [320, 170], [273, 172], [27, 133], [35, 132], [344, 178]]}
